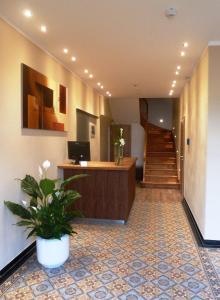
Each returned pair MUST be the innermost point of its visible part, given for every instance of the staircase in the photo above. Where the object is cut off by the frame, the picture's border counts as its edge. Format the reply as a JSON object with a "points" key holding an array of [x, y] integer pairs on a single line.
{"points": [[160, 169]]}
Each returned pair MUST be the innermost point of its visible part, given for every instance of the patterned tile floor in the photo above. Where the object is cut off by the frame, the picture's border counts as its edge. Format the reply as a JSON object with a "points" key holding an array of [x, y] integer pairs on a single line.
{"points": [[154, 256]]}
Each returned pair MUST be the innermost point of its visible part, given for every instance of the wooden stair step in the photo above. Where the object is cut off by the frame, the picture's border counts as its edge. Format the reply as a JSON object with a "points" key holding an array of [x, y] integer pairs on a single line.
{"points": [[158, 159], [160, 165], [167, 172], [161, 153], [160, 169], [160, 185], [161, 147], [161, 179]]}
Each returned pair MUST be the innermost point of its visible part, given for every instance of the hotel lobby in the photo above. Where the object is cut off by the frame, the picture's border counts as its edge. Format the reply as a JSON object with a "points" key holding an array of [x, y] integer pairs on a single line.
{"points": [[136, 83]]}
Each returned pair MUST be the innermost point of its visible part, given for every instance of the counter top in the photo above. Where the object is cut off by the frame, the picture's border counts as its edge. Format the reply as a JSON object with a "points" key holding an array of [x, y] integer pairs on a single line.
{"points": [[126, 164]]}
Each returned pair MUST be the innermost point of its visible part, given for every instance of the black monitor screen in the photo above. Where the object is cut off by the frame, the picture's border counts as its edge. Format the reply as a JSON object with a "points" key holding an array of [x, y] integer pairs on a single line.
{"points": [[78, 151]]}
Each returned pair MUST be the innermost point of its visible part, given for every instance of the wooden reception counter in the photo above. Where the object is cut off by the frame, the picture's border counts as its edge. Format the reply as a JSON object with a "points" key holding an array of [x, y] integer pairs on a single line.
{"points": [[109, 190]]}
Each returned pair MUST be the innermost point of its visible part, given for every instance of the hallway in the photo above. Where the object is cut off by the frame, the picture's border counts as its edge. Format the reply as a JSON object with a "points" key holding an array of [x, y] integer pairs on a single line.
{"points": [[154, 256]]}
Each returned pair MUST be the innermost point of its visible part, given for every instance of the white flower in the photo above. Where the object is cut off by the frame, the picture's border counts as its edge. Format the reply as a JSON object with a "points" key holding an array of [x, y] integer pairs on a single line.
{"points": [[40, 171], [121, 131], [46, 165], [24, 203], [122, 142], [34, 208]]}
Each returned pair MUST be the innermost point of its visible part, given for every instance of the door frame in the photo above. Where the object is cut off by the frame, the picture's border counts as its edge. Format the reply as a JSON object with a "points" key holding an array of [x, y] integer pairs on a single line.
{"points": [[182, 155]]}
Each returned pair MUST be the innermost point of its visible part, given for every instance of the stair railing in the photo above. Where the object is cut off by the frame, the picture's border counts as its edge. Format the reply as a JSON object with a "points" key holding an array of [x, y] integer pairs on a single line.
{"points": [[143, 107]]}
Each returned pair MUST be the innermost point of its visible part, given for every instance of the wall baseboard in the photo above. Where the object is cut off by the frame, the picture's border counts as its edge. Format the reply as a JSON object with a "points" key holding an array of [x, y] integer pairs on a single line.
{"points": [[10, 268], [197, 233]]}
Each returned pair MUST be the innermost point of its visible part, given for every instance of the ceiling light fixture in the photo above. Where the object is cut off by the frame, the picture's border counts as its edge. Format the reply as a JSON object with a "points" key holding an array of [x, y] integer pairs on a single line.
{"points": [[65, 50], [107, 92], [102, 87], [161, 120], [86, 71], [182, 53], [177, 72], [171, 92], [185, 45], [178, 67], [27, 13], [110, 95], [43, 28], [173, 85], [98, 83], [90, 75], [174, 81], [73, 58]]}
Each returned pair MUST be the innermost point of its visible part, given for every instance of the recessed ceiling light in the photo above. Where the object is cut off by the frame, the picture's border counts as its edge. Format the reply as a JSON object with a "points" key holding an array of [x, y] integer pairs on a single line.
{"points": [[98, 83], [27, 13], [185, 44], [171, 92], [43, 28], [161, 120], [182, 53], [73, 58], [65, 50], [107, 92], [178, 67], [177, 72], [90, 75], [86, 71], [173, 85], [174, 81], [102, 87], [110, 95]]}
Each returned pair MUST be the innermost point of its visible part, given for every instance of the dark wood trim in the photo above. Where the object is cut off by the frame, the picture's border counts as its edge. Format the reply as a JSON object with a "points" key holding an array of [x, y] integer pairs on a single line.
{"points": [[197, 233], [10, 268], [86, 113]]}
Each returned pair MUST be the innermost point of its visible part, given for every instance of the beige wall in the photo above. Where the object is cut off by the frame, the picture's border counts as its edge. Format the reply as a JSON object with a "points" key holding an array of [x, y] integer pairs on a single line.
{"points": [[212, 211], [22, 150], [200, 105]]}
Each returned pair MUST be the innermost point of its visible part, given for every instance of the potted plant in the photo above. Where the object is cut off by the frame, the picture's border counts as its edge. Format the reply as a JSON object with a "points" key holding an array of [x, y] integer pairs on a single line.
{"points": [[46, 215], [119, 147]]}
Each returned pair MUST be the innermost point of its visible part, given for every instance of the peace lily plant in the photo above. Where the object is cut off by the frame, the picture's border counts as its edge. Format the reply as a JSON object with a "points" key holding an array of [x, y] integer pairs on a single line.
{"points": [[46, 214]]}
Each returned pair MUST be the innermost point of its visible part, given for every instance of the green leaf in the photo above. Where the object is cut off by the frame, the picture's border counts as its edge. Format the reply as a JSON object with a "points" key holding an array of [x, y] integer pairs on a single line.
{"points": [[18, 210], [70, 197], [31, 233], [30, 186], [70, 179], [47, 186], [33, 202], [24, 223], [74, 214]]}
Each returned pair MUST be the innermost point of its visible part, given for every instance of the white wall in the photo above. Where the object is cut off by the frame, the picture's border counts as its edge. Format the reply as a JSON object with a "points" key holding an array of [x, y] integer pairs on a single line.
{"points": [[212, 211], [160, 109], [137, 143], [200, 105], [22, 150], [126, 111]]}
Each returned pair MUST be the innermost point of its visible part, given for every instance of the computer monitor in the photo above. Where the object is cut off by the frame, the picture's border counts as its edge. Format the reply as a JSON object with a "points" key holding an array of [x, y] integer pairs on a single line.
{"points": [[78, 151]]}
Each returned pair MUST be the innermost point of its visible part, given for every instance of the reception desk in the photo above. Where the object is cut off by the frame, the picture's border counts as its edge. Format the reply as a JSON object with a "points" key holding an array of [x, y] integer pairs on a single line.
{"points": [[109, 190]]}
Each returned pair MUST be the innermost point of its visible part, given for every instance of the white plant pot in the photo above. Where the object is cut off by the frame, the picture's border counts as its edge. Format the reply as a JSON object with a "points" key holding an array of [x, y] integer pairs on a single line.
{"points": [[52, 253]]}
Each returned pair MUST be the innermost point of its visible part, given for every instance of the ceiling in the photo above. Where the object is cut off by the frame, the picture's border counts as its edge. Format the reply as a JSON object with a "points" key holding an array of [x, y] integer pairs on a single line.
{"points": [[130, 46]]}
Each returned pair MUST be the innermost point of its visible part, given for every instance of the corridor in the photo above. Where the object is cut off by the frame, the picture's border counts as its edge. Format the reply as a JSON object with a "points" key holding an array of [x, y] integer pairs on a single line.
{"points": [[153, 256]]}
